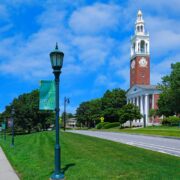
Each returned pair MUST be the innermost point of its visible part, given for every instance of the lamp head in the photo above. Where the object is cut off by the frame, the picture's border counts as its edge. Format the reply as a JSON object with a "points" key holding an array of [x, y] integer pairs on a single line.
{"points": [[56, 57]]}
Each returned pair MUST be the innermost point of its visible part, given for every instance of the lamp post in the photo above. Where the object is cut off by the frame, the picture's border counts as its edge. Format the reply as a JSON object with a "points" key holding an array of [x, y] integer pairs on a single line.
{"points": [[66, 101], [57, 61], [4, 129], [12, 125], [144, 119]]}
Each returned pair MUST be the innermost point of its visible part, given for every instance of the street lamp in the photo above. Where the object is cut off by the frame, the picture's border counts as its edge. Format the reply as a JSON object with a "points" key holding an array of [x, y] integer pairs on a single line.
{"points": [[66, 101], [5, 129], [12, 124], [57, 61]]}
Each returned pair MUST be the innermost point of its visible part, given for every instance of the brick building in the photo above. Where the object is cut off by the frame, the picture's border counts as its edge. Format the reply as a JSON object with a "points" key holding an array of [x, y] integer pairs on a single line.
{"points": [[141, 93]]}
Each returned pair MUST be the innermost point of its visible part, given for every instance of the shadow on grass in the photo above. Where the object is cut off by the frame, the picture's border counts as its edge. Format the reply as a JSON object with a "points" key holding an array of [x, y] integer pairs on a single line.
{"points": [[67, 167], [63, 170]]}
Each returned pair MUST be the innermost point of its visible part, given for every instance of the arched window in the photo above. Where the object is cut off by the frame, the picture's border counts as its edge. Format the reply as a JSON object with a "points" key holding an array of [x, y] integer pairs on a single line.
{"points": [[138, 28], [141, 28], [142, 46], [134, 46]]}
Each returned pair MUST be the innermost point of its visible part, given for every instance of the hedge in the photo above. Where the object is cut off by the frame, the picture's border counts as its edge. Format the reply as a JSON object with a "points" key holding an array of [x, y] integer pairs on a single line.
{"points": [[111, 125], [171, 121], [107, 125]]}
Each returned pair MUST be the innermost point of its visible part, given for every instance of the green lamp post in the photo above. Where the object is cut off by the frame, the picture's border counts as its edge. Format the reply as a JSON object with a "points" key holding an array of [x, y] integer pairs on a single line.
{"points": [[12, 125], [57, 61]]}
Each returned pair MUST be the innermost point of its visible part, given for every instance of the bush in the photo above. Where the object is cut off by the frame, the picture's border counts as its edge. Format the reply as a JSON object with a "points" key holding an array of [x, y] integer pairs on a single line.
{"points": [[101, 125], [107, 125], [171, 121], [111, 125]]}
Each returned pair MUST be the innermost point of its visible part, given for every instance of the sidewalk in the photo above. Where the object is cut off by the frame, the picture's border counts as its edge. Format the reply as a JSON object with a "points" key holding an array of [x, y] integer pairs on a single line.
{"points": [[6, 170]]}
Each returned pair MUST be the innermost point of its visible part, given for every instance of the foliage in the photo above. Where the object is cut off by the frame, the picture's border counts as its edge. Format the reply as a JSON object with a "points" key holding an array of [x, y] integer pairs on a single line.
{"points": [[171, 120], [89, 113], [112, 101], [101, 125], [88, 158], [152, 114], [129, 112], [27, 117], [68, 115], [111, 125], [169, 101]]}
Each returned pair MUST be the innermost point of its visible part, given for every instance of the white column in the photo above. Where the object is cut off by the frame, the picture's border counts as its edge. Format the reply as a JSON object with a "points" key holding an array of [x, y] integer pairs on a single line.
{"points": [[147, 108], [152, 101], [141, 107], [134, 101], [136, 48], [137, 101]]}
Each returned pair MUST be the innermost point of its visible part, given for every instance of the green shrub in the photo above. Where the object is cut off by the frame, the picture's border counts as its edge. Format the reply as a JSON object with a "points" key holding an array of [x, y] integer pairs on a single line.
{"points": [[111, 125], [171, 121], [101, 125]]}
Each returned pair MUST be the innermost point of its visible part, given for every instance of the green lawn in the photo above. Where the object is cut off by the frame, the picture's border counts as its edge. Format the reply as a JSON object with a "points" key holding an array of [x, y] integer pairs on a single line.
{"points": [[87, 158], [152, 130]]}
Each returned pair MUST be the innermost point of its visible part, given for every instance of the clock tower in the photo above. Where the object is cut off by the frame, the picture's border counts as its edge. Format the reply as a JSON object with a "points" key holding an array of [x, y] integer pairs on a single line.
{"points": [[140, 61]]}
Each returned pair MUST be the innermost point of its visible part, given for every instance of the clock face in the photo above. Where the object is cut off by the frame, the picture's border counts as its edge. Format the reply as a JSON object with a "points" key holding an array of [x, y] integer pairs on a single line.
{"points": [[133, 64], [143, 62]]}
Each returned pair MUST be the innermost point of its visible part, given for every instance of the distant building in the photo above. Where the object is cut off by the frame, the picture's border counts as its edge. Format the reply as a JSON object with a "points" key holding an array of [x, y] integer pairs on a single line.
{"points": [[71, 122], [141, 93]]}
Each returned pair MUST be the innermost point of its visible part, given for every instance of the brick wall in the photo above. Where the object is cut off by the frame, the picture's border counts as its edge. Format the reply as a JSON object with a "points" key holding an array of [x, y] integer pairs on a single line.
{"points": [[140, 75]]}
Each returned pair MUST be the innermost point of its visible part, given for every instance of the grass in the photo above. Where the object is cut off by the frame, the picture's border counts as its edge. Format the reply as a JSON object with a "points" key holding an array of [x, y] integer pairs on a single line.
{"points": [[87, 158], [151, 130]]}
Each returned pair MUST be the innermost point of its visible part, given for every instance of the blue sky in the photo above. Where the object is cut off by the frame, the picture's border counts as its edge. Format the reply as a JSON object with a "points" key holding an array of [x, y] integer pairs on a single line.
{"points": [[95, 37]]}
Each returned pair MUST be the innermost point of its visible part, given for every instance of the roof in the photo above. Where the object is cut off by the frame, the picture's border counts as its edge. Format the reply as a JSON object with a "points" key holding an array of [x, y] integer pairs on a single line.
{"points": [[148, 86], [137, 90]]}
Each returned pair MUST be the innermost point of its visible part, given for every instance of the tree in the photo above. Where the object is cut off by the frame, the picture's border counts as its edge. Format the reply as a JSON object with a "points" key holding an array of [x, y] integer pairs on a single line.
{"points": [[152, 114], [112, 101], [169, 101], [27, 116], [89, 113], [129, 112]]}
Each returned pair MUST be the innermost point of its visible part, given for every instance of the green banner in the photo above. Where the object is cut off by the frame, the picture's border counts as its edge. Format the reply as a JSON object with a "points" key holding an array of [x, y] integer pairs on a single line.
{"points": [[3, 126], [47, 95]]}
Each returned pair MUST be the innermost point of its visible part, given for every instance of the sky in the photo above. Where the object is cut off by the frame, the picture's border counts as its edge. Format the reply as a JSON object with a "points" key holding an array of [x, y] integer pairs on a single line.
{"points": [[95, 38]]}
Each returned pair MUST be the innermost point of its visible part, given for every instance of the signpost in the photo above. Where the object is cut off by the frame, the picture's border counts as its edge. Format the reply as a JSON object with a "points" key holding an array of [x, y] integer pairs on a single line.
{"points": [[47, 95], [102, 119]]}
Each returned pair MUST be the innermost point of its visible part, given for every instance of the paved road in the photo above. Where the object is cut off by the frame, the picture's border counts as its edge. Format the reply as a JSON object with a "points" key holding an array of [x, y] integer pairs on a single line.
{"points": [[6, 171], [160, 144]]}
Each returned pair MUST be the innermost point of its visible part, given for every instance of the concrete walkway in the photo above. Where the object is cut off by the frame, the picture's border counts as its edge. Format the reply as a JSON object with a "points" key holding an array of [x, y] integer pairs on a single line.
{"points": [[6, 170], [160, 144]]}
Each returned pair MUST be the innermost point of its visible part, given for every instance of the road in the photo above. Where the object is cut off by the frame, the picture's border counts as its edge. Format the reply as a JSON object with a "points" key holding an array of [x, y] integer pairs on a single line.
{"points": [[160, 144]]}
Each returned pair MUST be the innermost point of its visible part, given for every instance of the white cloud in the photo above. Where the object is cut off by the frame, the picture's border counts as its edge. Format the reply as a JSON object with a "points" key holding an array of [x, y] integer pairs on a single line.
{"points": [[93, 50], [97, 18]]}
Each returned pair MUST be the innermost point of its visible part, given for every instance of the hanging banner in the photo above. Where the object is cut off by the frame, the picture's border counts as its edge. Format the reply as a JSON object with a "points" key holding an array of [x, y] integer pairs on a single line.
{"points": [[3, 126], [47, 95], [10, 122]]}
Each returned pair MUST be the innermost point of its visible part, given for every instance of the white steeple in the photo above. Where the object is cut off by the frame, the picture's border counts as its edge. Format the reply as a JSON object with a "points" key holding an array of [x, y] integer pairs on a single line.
{"points": [[139, 23], [140, 41]]}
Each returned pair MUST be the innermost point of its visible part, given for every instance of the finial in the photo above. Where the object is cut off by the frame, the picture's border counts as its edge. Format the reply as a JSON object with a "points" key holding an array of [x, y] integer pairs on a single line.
{"points": [[56, 46], [139, 12]]}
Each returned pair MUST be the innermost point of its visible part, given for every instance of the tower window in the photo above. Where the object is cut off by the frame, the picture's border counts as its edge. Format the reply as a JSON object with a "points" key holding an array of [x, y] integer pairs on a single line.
{"points": [[142, 46], [138, 28]]}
